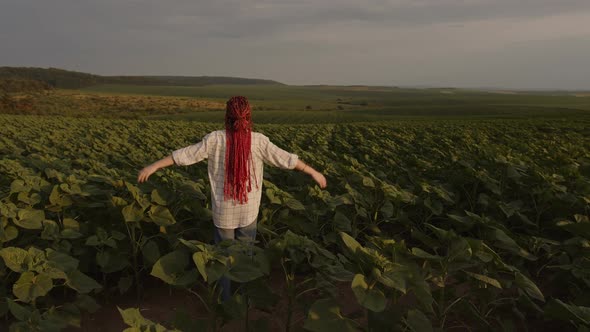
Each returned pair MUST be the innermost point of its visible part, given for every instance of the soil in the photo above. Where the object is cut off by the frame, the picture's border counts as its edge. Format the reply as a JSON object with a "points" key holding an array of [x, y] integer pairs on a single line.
{"points": [[161, 302]]}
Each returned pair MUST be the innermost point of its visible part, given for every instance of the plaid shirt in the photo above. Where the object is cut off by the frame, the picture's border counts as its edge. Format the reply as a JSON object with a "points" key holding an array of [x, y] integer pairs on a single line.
{"points": [[230, 214]]}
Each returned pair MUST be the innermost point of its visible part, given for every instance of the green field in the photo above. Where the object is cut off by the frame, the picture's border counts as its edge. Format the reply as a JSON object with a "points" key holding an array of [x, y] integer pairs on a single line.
{"points": [[446, 210], [427, 223]]}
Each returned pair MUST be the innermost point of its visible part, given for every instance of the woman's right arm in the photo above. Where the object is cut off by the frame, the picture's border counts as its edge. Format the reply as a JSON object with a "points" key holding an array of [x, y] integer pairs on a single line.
{"points": [[275, 156], [317, 176]]}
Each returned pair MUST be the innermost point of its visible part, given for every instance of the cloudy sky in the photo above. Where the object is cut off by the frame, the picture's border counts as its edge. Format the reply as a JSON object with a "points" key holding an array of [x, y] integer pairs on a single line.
{"points": [[541, 44]]}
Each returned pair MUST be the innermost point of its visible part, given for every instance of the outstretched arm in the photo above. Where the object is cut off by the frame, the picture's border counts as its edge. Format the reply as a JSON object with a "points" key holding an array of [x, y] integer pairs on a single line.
{"points": [[182, 157], [317, 176], [278, 157], [145, 173]]}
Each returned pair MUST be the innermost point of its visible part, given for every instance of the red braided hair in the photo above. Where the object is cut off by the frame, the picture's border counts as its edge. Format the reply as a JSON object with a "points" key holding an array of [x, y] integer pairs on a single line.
{"points": [[238, 157]]}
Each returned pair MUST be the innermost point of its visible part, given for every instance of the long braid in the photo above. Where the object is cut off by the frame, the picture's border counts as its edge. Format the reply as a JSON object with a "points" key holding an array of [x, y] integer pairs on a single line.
{"points": [[238, 157]]}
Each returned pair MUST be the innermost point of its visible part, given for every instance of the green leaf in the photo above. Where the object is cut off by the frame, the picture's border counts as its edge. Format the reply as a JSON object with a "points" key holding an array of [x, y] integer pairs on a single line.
{"points": [[567, 312], [69, 233], [61, 261], [151, 252], [369, 297], [161, 215], [30, 286], [511, 208], [81, 282], [68, 315], [427, 240], [158, 198], [93, 241], [170, 266], [118, 235], [441, 234], [201, 262], [434, 206], [486, 279], [20, 312], [118, 201], [124, 284], [387, 209], [110, 242], [578, 228], [8, 234], [418, 322], [260, 294], [506, 242], [270, 193], [350, 242], [512, 172], [294, 204], [395, 278], [132, 317], [460, 250], [421, 290], [423, 254], [102, 258], [187, 278], [70, 223], [8, 210], [59, 199], [116, 263], [341, 222], [368, 182], [528, 286], [87, 303], [215, 270], [15, 259], [324, 315], [193, 245], [30, 219], [50, 230], [17, 186], [243, 269], [184, 321], [29, 198], [132, 213]]}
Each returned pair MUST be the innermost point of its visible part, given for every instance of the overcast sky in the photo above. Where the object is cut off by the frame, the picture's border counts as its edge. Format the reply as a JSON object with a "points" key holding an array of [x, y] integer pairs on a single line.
{"points": [[463, 43]]}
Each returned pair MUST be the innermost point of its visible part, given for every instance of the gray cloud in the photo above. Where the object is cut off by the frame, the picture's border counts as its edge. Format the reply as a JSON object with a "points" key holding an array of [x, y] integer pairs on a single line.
{"points": [[295, 41]]}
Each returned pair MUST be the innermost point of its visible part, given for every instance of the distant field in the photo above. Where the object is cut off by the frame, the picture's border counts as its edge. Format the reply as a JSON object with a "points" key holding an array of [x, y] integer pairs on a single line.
{"points": [[292, 104], [364, 103]]}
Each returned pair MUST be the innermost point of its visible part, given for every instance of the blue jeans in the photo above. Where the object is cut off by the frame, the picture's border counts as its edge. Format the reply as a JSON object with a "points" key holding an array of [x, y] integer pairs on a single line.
{"points": [[246, 233]]}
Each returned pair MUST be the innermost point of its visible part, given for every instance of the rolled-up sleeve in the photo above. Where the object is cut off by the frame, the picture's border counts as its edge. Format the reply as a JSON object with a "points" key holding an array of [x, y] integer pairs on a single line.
{"points": [[193, 153], [275, 156]]}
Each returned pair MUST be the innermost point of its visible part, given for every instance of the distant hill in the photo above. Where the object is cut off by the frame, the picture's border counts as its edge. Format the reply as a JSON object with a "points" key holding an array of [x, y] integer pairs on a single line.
{"points": [[8, 85], [67, 79], [187, 80], [54, 77]]}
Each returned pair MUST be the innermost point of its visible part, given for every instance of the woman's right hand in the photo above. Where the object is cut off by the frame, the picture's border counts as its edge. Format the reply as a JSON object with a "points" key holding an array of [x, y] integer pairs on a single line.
{"points": [[320, 179]]}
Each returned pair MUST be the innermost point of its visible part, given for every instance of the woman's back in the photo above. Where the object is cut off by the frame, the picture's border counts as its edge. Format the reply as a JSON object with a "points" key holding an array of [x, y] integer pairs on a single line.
{"points": [[228, 213]]}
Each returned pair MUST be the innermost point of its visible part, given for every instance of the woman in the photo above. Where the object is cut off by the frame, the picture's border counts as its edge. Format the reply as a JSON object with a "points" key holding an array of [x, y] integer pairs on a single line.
{"points": [[236, 157]]}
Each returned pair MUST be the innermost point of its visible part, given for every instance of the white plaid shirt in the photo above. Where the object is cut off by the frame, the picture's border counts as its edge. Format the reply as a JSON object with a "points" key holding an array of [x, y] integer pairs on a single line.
{"points": [[230, 214]]}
